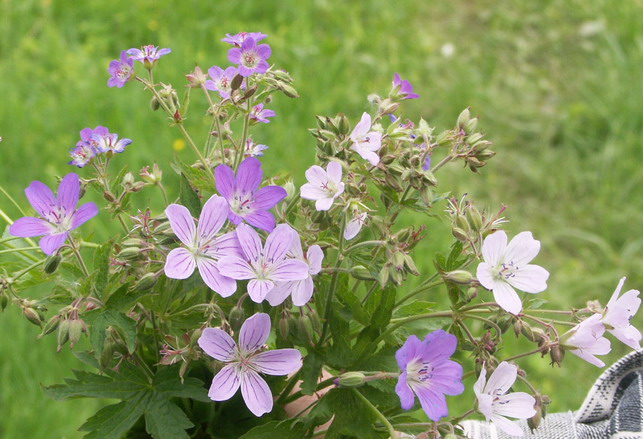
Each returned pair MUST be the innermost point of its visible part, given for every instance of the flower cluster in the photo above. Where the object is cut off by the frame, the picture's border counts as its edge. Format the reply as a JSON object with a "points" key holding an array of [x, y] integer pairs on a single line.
{"points": [[95, 142]]}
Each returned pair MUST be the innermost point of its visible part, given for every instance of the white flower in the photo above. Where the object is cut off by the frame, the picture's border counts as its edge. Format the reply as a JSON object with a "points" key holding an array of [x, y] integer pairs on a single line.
{"points": [[323, 186], [355, 225], [506, 267], [366, 143], [618, 312], [495, 403], [586, 340]]}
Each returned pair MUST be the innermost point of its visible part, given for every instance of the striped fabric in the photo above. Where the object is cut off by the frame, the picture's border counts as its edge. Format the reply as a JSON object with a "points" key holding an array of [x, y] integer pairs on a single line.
{"points": [[613, 409]]}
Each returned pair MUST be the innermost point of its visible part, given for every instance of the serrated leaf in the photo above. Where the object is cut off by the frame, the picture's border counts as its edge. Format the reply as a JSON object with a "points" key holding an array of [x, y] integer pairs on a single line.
{"points": [[288, 429], [352, 418], [122, 299], [416, 307], [90, 385], [310, 372], [113, 421], [188, 197], [165, 420], [101, 267], [168, 383], [101, 319]]}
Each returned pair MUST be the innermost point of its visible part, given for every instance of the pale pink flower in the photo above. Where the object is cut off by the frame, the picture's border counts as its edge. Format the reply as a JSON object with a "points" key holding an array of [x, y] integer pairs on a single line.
{"points": [[355, 225], [586, 340], [323, 185], [618, 313], [366, 142]]}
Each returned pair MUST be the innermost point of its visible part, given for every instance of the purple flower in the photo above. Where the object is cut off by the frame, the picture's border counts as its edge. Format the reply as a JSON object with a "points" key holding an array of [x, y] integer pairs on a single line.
{"points": [[428, 373], [245, 361], [494, 402], [250, 57], [148, 55], [202, 247], [403, 88], [365, 142], [247, 202], [82, 154], [239, 38], [253, 149], [300, 290], [261, 115], [110, 143], [586, 340], [618, 313], [59, 214], [121, 71], [263, 265], [221, 80]]}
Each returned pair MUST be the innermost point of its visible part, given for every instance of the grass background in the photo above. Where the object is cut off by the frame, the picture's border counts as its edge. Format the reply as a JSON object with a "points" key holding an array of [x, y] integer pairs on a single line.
{"points": [[556, 85]]}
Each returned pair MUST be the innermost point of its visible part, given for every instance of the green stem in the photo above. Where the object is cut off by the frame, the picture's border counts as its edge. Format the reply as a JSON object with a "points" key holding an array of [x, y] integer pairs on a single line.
{"points": [[76, 251], [162, 188], [418, 290], [526, 354], [26, 270], [462, 416], [244, 136], [364, 244], [6, 194], [487, 321], [443, 162], [377, 414], [19, 249]]}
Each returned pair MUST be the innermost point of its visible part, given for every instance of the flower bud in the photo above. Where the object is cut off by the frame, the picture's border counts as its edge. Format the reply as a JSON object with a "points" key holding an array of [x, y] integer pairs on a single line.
{"points": [[52, 263], [460, 234], [194, 337], [471, 125], [350, 379], [108, 353], [343, 124], [534, 421], [557, 354], [474, 218], [463, 118], [362, 273], [461, 277], [410, 265], [4, 301], [76, 329], [305, 328], [155, 104], [146, 282], [290, 188], [138, 186], [197, 78], [32, 315], [51, 325], [109, 196], [283, 327], [289, 91], [236, 82], [63, 333], [236, 318], [128, 180], [129, 253], [461, 222]]}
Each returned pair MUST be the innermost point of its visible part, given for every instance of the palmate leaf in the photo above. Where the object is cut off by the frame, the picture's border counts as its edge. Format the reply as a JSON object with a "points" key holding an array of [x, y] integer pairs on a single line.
{"points": [[113, 421], [103, 318], [288, 429], [352, 418]]}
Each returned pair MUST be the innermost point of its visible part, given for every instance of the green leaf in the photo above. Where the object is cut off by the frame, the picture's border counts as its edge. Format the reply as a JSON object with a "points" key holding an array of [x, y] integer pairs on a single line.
{"points": [[113, 421], [165, 420], [101, 319], [352, 417], [197, 177], [288, 429], [188, 197], [310, 372], [123, 299], [416, 307], [101, 266], [90, 385], [168, 383], [385, 301]]}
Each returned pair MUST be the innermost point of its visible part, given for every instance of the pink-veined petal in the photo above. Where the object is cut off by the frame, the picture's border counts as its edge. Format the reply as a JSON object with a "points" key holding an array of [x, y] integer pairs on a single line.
{"points": [[506, 297], [249, 175], [279, 293], [182, 223], [86, 212], [69, 192], [278, 362], [218, 344], [324, 204], [316, 176], [179, 264], [315, 257], [278, 242], [261, 219], [256, 393], [289, 269], [210, 274], [502, 378], [225, 245], [516, 405], [250, 242], [225, 181], [362, 127], [254, 332], [236, 268], [51, 243], [258, 289], [478, 387], [29, 226], [485, 405], [434, 404], [40, 197], [530, 279], [310, 192], [494, 247], [213, 216], [522, 249], [225, 384], [302, 291]]}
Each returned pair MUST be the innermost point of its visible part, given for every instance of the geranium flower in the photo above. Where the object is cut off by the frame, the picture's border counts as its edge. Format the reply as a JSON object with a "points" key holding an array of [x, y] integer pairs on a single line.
{"points": [[238, 39], [323, 185], [355, 225], [59, 214], [202, 247], [404, 88], [246, 201], [110, 142], [263, 265], [121, 71], [148, 55], [586, 340], [260, 114], [300, 290], [253, 149], [495, 403], [365, 142], [82, 154], [221, 80], [428, 373], [505, 267], [618, 313], [250, 57], [245, 361]]}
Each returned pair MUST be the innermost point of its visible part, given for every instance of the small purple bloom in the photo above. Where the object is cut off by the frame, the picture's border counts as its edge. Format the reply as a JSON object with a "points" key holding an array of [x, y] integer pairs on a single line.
{"points": [[221, 80], [247, 202], [82, 154], [148, 55], [110, 143], [260, 115], [239, 38], [59, 214], [250, 57], [121, 71], [203, 247], [253, 149], [403, 88], [428, 373], [263, 265], [245, 361]]}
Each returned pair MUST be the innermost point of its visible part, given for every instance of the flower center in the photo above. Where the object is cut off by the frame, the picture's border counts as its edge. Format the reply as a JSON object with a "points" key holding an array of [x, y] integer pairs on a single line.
{"points": [[123, 72], [505, 271], [330, 187], [250, 59], [58, 216], [241, 204], [419, 372]]}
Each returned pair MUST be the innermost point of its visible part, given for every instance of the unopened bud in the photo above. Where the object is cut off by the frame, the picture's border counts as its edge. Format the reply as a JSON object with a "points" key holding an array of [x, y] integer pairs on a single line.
{"points": [[461, 222], [410, 265], [289, 91], [350, 379], [108, 353], [51, 325], [52, 263], [343, 124], [195, 336], [534, 421], [32, 315], [236, 82], [283, 327], [461, 277], [474, 218], [146, 282], [4, 301], [557, 354], [128, 179], [154, 104], [362, 273], [129, 253], [305, 328], [463, 118], [471, 125], [237, 316], [76, 328], [138, 186], [109, 196], [290, 188], [63, 333], [460, 234]]}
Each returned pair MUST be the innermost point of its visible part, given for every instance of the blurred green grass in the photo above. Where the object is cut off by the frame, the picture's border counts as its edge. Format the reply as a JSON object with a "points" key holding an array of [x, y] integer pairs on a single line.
{"points": [[555, 83]]}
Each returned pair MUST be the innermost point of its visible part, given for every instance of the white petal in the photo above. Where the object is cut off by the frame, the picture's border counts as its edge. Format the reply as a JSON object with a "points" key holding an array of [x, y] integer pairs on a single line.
{"points": [[507, 297], [517, 405], [522, 249], [509, 427], [478, 387], [530, 279], [485, 276], [310, 192], [501, 379], [493, 247], [334, 171], [324, 203]]}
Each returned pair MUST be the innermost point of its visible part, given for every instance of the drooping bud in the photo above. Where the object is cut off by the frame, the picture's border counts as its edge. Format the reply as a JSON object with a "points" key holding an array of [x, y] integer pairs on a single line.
{"points": [[51, 325], [474, 218], [534, 421], [146, 282], [63, 333], [557, 354], [32, 315], [236, 82], [52, 263], [350, 379], [129, 253], [237, 316], [362, 273], [289, 91], [155, 104], [76, 329], [461, 277], [283, 327]]}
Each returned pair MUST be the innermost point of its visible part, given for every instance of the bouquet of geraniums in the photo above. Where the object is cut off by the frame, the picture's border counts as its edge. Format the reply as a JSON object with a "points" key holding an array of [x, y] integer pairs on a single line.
{"points": [[295, 303]]}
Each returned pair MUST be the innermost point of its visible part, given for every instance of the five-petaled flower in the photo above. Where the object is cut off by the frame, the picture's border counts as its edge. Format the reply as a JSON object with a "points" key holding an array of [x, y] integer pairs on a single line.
{"points": [[247, 202], [428, 373], [586, 340], [148, 55], [202, 247], [323, 185], [121, 71], [250, 57], [403, 88], [495, 403], [238, 39], [245, 361], [253, 149], [59, 214], [618, 313], [221, 80], [506, 267], [110, 143], [259, 114], [301, 291], [264, 265], [86, 148], [355, 225], [366, 142]]}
